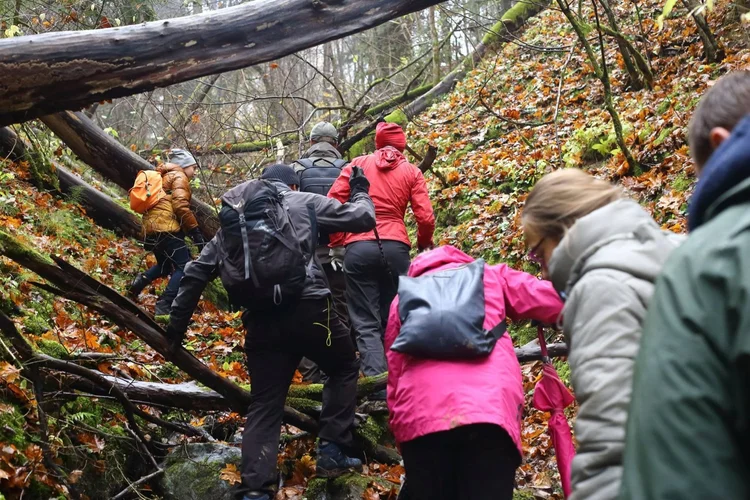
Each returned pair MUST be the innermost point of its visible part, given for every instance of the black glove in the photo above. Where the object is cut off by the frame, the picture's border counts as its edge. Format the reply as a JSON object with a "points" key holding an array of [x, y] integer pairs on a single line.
{"points": [[197, 237], [358, 183], [174, 337]]}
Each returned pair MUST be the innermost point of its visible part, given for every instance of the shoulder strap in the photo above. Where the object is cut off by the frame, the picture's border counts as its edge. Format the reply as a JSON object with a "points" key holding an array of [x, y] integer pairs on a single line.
{"points": [[306, 162]]}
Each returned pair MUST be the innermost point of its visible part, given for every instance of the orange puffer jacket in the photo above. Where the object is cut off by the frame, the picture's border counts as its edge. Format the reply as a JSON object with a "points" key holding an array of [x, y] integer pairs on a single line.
{"points": [[172, 213]]}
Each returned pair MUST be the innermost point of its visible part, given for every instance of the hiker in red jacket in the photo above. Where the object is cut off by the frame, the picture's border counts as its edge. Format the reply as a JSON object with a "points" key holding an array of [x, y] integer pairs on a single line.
{"points": [[372, 267]]}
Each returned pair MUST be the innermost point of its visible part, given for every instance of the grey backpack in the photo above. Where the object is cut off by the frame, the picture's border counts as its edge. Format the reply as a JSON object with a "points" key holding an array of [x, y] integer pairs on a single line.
{"points": [[262, 262], [442, 315]]}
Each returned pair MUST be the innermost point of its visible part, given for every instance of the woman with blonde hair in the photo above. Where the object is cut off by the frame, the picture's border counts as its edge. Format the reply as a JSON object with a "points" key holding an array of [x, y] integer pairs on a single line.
{"points": [[602, 251]]}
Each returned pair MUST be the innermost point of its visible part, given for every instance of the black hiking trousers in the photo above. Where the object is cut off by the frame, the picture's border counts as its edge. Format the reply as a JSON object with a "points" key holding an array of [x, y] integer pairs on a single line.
{"points": [[370, 289], [337, 284], [275, 343], [471, 462]]}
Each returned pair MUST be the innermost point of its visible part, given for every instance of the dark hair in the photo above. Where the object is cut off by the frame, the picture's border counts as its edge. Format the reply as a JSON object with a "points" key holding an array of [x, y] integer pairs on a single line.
{"points": [[724, 105]]}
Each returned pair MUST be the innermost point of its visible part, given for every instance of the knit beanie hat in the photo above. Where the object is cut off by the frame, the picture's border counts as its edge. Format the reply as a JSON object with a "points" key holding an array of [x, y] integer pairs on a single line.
{"points": [[181, 158], [281, 172], [324, 131], [390, 134]]}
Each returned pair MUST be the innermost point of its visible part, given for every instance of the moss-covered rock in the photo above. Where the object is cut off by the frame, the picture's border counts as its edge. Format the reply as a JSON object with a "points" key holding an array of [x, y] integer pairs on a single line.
{"points": [[347, 487], [192, 472]]}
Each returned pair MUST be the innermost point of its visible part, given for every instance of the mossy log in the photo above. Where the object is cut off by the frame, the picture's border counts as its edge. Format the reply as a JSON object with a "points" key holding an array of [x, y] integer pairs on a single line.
{"points": [[87, 66]]}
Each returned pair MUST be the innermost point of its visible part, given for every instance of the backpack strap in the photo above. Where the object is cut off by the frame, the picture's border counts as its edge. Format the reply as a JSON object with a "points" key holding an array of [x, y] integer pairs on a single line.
{"points": [[339, 163], [313, 227], [498, 330]]}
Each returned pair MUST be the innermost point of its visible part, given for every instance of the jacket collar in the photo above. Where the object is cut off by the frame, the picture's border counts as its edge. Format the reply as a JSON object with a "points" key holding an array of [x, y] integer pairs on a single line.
{"points": [[724, 180], [617, 221], [322, 150]]}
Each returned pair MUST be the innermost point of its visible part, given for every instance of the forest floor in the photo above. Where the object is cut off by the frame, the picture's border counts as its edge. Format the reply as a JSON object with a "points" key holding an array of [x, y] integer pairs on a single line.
{"points": [[518, 115]]}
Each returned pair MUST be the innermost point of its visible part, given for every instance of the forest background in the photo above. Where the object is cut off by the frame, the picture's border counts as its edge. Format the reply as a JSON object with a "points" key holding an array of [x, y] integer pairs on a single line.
{"points": [[91, 403]]}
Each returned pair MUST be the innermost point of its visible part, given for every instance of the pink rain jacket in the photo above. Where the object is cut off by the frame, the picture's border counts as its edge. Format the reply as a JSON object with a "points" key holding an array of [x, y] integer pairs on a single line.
{"points": [[426, 396]]}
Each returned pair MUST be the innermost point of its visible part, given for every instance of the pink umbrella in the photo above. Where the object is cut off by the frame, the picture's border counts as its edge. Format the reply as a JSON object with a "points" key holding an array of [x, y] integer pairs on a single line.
{"points": [[551, 395]]}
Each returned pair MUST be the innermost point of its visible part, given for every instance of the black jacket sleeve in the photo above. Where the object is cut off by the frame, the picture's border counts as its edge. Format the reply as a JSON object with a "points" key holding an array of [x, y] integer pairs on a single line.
{"points": [[197, 275]]}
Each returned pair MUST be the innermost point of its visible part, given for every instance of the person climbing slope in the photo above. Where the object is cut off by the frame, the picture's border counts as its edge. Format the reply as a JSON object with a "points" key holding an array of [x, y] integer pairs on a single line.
{"points": [[602, 252], [457, 414], [318, 168], [264, 254], [165, 226], [374, 260]]}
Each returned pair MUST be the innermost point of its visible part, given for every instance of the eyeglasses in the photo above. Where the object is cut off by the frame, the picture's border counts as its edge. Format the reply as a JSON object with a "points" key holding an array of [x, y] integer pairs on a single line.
{"points": [[533, 256]]}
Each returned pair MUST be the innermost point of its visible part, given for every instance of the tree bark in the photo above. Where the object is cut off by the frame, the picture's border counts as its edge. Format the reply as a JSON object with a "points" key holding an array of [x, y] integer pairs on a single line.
{"points": [[711, 47], [100, 207], [190, 396], [76, 285], [83, 67], [113, 160]]}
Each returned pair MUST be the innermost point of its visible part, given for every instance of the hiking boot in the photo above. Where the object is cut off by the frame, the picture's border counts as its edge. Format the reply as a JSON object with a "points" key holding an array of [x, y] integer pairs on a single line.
{"points": [[163, 308], [139, 283], [332, 462]]}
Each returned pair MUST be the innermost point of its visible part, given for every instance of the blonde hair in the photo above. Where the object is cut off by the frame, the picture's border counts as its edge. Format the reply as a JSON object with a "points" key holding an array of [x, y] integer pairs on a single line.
{"points": [[561, 198]]}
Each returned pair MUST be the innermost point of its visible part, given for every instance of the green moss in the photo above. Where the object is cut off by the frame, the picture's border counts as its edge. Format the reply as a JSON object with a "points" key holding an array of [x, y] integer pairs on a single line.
{"points": [[398, 116], [168, 370], [522, 333], [316, 488], [11, 428], [308, 391], [682, 182], [563, 370], [523, 495], [217, 294], [42, 171], [16, 250], [365, 385], [370, 432], [304, 405], [52, 348], [412, 94]]}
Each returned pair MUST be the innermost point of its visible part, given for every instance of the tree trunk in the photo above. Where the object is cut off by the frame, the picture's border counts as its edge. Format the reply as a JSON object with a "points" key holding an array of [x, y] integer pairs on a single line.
{"points": [[83, 67], [711, 47], [113, 160], [434, 37], [98, 205], [190, 396], [78, 286]]}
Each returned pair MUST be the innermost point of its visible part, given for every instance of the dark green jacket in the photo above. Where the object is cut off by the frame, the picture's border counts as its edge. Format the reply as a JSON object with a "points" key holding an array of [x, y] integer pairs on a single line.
{"points": [[688, 434]]}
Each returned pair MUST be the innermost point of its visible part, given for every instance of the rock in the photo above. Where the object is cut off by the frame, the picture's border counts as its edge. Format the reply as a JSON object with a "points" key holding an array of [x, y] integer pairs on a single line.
{"points": [[347, 487], [192, 472]]}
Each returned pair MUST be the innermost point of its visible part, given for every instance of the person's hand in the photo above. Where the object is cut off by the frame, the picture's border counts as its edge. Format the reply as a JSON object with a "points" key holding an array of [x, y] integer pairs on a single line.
{"points": [[358, 183], [197, 237], [337, 258], [421, 249], [174, 337]]}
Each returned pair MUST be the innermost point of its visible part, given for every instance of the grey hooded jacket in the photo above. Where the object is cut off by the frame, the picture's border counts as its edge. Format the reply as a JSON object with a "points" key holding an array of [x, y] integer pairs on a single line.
{"points": [[356, 216], [606, 266]]}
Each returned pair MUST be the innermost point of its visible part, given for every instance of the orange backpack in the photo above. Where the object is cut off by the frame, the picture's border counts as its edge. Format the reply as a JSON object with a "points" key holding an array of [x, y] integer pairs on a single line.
{"points": [[146, 192]]}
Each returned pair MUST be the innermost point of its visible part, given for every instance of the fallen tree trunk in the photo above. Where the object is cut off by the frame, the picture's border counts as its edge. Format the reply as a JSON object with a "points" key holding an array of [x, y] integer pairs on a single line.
{"points": [[245, 147], [75, 285], [113, 160], [83, 67], [191, 396], [100, 207]]}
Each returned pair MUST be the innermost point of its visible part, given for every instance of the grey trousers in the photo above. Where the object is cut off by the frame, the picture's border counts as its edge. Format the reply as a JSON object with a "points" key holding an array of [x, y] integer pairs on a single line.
{"points": [[370, 289]]}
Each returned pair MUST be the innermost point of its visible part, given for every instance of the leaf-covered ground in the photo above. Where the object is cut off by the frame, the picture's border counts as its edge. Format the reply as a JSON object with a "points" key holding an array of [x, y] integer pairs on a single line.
{"points": [[520, 114]]}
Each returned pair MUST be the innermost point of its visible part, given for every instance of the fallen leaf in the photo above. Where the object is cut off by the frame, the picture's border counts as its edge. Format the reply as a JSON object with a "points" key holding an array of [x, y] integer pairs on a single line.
{"points": [[230, 474]]}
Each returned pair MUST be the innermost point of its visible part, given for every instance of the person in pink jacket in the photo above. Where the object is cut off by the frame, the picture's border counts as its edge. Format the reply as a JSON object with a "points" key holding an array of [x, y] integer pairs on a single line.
{"points": [[458, 422]]}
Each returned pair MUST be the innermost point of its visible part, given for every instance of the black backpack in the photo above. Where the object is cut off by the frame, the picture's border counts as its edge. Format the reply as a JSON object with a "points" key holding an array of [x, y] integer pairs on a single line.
{"points": [[442, 315], [318, 177], [319, 174], [261, 261]]}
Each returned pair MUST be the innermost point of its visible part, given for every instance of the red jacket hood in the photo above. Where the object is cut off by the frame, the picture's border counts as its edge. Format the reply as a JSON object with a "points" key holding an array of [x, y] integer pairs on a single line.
{"points": [[441, 257], [388, 158]]}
